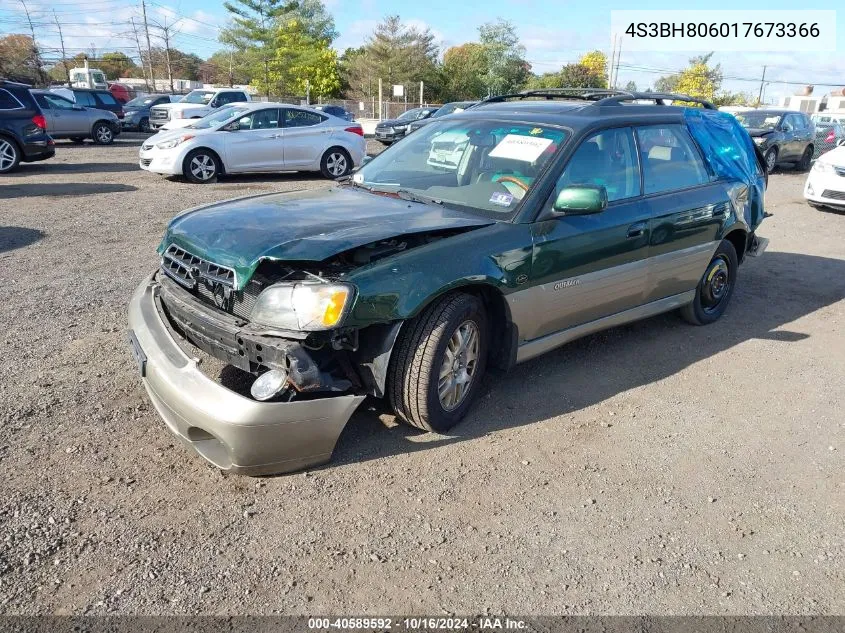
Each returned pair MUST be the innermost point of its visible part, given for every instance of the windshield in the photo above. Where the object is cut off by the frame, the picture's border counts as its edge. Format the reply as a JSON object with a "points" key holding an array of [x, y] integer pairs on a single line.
{"points": [[139, 102], [219, 117], [198, 96], [410, 115], [480, 165], [450, 108], [759, 120]]}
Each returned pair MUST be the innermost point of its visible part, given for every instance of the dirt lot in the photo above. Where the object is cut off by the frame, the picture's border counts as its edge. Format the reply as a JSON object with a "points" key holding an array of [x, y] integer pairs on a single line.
{"points": [[655, 468]]}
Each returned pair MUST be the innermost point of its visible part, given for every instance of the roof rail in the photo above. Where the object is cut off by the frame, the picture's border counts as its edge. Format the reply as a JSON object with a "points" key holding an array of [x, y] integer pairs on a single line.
{"points": [[589, 94], [12, 82], [659, 98]]}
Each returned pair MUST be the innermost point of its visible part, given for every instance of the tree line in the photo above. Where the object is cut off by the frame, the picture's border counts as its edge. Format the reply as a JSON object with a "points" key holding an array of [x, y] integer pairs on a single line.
{"points": [[285, 48]]}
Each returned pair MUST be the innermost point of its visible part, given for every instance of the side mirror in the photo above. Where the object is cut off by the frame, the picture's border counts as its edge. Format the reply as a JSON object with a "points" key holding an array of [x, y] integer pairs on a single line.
{"points": [[786, 127], [76, 107], [581, 200], [233, 126], [365, 160]]}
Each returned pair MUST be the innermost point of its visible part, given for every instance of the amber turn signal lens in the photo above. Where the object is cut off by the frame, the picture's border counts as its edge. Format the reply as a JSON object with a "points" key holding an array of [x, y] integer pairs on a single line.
{"points": [[334, 309]]}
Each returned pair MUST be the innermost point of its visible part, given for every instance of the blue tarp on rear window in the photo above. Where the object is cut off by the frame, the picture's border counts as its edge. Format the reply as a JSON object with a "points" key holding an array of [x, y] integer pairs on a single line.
{"points": [[731, 154]]}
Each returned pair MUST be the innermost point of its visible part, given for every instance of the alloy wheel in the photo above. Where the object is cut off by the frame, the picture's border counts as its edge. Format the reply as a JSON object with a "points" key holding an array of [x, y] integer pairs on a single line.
{"points": [[460, 360], [8, 155], [336, 164], [203, 167], [104, 134]]}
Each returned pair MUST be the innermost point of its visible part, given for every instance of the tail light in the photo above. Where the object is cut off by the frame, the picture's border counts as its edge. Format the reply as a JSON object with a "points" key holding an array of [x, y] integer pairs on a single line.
{"points": [[355, 130], [40, 121], [830, 137]]}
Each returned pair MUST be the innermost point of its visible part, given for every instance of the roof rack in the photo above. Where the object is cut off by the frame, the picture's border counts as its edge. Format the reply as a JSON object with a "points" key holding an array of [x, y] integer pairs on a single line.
{"points": [[588, 94], [11, 82], [659, 98]]}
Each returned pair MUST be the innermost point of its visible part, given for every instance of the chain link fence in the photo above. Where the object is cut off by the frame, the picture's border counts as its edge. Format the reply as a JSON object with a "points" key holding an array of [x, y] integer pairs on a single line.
{"points": [[360, 109]]}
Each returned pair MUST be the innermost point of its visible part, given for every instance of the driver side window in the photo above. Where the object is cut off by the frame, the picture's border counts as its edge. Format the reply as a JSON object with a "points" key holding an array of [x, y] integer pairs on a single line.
{"points": [[607, 158]]}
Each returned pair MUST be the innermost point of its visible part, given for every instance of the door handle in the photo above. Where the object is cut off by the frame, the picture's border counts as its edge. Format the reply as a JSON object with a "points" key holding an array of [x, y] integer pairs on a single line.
{"points": [[636, 230]]}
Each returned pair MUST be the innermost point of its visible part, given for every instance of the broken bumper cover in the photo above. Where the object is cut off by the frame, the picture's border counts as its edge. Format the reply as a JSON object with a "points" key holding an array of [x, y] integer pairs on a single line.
{"points": [[234, 433]]}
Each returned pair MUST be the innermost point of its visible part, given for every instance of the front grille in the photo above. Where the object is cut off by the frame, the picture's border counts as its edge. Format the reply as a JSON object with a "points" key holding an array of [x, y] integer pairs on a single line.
{"points": [[833, 195], [146, 161], [210, 283], [159, 114], [840, 171]]}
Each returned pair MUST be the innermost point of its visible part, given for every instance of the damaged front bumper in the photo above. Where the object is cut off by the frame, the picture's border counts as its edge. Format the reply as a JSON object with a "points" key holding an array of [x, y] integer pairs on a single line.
{"points": [[234, 433]]}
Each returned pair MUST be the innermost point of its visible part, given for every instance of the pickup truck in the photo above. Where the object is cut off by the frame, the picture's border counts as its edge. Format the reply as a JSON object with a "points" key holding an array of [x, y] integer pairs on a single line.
{"points": [[195, 105]]}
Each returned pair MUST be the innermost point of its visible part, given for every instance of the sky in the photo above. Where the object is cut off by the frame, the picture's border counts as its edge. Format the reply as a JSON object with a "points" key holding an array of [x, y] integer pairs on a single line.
{"points": [[554, 33]]}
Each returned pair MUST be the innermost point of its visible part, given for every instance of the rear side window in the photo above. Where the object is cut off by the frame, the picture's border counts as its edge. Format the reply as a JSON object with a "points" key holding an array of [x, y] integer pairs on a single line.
{"points": [[85, 98], [669, 159], [230, 97], [302, 118], [8, 101], [607, 158], [107, 98]]}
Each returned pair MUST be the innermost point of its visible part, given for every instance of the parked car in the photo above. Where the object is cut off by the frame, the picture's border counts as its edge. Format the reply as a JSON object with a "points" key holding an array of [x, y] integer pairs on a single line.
{"points": [[195, 105], [828, 136], [122, 92], [23, 128], [256, 137], [825, 186], [407, 281], [340, 113], [448, 108], [65, 119], [137, 111], [99, 99], [392, 130], [784, 136]]}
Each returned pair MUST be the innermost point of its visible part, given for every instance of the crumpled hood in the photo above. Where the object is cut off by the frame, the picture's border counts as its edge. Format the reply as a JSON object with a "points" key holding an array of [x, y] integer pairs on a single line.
{"points": [[756, 131], [302, 226]]}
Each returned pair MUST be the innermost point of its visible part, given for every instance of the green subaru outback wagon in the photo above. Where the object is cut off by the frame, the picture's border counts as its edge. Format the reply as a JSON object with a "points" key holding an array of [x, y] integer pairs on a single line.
{"points": [[483, 240]]}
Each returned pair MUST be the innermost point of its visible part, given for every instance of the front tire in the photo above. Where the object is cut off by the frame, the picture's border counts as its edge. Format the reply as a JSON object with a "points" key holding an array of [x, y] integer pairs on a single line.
{"points": [[144, 125], [201, 166], [771, 157], [10, 155], [716, 287], [336, 163], [102, 134], [438, 363]]}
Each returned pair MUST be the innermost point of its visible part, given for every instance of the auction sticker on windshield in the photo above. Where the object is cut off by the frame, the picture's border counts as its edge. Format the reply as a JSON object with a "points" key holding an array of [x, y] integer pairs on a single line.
{"points": [[524, 148]]}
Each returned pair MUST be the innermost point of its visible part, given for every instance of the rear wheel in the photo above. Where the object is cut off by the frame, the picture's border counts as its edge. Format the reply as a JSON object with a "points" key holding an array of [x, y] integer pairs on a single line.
{"points": [[144, 125], [201, 166], [10, 155], [438, 361], [336, 163], [715, 288], [806, 158], [771, 157], [102, 134]]}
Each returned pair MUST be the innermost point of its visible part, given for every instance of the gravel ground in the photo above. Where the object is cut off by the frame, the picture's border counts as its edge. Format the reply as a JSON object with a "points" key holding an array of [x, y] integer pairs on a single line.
{"points": [[655, 468]]}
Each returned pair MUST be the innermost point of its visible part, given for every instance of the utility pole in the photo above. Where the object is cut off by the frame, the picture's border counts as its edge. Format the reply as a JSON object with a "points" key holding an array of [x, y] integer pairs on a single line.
{"points": [[380, 102], [421, 93], [34, 44], [231, 66], [762, 83], [140, 54], [166, 35], [149, 47], [618, 59], [610, 66], [62, 42]]}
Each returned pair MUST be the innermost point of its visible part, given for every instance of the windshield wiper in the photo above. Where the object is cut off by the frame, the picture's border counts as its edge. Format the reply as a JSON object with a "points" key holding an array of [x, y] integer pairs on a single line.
{"points": [[415, 197]]}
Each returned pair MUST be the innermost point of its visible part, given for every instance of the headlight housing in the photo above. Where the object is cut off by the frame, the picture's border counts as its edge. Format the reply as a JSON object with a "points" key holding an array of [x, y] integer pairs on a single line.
{"points": [[306, 307], [759, 140], [822, 167], [174, 141], [177, 114], [400, 128]]}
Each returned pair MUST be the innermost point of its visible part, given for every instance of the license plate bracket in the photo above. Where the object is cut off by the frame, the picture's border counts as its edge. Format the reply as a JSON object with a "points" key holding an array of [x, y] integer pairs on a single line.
{"points": [[137, 353]]}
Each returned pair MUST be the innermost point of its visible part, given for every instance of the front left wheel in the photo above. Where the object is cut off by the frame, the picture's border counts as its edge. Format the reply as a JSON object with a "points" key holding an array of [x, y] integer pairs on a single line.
{"points": [[102, 134], [10, 155], [438, 363], [336, 163]]}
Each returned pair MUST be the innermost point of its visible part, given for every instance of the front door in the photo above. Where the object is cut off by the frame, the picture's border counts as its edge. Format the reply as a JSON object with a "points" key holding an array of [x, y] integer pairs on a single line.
{"points": [[63, 117], [305, 137], [257, 145], [589, 266], [687, 209]]}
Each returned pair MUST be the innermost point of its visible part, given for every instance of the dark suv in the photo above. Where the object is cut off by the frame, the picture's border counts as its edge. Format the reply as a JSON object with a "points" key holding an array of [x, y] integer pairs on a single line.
{"points": [[484, 239], [783, 136], [23, 128]]}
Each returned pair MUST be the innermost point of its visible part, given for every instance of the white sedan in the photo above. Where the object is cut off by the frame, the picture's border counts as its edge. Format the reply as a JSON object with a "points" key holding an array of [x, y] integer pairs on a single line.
{"points": [[256, 137], [825, 184]]}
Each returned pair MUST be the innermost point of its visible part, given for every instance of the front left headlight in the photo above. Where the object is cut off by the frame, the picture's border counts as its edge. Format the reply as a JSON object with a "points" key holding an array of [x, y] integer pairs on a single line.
{"points": [[759, 140], [822, 167], [174, 142], [306, 307]]}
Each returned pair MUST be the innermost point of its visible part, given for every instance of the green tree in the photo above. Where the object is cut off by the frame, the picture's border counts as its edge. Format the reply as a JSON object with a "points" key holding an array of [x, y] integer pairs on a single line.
{"points": [[20, 60], [115, 65], [596, 62], [570, 76], [504, 57], [699, 75], [253, 30], [303, 63], [317, 21], [464, 68], [631, 86]]}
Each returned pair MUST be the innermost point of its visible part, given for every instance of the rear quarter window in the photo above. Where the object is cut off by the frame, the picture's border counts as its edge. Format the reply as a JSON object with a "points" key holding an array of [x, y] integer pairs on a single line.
{"points": [[8, 101], [670, 160], [84, 99], [107, 98]]}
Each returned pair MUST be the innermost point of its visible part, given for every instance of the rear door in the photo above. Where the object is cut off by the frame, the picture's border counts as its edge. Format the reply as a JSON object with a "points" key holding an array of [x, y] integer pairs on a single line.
{"points": [[589, 266], [686, 207], [306, 137], [791, 148], [66, 118], [257, 145]]}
